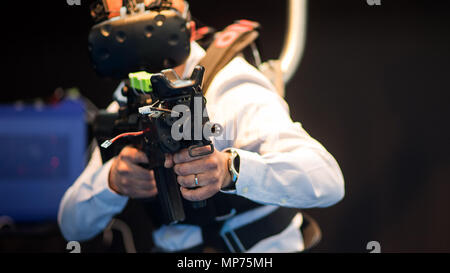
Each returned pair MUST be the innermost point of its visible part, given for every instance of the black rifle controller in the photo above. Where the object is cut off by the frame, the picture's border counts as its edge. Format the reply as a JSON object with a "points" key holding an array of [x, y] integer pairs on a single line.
{"points": [[165, 118]]}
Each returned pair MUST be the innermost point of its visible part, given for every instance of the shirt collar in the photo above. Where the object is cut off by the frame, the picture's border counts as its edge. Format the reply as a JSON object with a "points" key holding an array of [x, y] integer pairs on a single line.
{"points": [[196, 54]]}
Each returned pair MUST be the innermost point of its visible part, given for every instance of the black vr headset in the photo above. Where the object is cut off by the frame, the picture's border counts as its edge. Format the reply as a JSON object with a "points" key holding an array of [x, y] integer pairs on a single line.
{"points": [[138, 37]]}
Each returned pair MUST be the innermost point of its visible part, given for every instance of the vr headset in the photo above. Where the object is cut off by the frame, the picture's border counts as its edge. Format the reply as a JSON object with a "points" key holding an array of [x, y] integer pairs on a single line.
{"points": [[135, 35]]}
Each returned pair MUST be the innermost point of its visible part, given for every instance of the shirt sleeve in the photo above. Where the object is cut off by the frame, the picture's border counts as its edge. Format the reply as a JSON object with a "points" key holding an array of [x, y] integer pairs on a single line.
{"points": [[89, 204], [280, 164]]}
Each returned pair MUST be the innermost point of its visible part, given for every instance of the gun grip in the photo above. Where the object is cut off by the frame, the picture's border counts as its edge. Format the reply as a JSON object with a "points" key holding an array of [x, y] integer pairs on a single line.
{"points": [[168, 193], [200, 204]]}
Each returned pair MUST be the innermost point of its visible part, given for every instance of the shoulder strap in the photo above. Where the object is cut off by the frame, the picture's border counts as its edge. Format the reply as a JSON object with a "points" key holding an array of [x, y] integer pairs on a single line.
{"points": [[226, 46]]}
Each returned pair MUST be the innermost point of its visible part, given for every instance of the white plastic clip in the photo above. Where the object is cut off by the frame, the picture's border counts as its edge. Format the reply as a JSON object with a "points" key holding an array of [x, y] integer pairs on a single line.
{"points": [[106, 144]]}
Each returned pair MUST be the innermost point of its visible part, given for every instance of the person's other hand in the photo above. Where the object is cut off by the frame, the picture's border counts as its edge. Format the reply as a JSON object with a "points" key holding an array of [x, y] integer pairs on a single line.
{"points": [[211, 170], [127, 178]]}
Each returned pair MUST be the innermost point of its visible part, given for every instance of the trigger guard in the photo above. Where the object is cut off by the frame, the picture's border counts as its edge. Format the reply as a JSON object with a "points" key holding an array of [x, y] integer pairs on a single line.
{"points": [[198, 146]]}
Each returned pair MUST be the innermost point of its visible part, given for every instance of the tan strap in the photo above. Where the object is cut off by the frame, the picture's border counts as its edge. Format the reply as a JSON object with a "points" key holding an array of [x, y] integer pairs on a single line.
{"points": [[227, 44]]}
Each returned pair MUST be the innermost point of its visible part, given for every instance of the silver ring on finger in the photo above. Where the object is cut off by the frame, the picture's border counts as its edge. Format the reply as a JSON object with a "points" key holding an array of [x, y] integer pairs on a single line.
{"points": [[196, 180]]}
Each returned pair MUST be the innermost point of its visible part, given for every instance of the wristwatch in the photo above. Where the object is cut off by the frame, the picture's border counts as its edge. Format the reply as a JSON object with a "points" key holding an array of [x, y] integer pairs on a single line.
{"points": [[233, 168]]}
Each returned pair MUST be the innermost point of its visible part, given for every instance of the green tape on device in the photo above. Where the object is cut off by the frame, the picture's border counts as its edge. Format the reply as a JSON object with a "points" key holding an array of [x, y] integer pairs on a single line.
{"points": [[141, 81]]}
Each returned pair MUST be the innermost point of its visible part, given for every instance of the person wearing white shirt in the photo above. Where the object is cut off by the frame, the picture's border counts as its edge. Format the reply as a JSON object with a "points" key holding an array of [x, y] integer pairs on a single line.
{"points": [[280, 165]]}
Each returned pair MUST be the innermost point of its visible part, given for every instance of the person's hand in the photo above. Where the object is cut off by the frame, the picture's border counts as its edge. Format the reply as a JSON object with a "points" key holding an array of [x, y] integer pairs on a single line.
{"points": [[211, 170], [127, 178]]}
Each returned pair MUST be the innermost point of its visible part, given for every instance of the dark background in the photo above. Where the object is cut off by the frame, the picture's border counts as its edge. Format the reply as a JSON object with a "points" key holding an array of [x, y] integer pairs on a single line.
{"points": [[371, 88]]}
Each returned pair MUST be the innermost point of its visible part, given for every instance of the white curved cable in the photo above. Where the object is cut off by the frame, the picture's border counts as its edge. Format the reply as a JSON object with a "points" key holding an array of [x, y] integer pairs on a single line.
{"points": [[294, 42]]}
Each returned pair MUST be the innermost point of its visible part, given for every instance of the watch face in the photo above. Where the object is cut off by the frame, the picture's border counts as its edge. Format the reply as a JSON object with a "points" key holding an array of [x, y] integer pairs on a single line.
{"points": [[236, 162]]}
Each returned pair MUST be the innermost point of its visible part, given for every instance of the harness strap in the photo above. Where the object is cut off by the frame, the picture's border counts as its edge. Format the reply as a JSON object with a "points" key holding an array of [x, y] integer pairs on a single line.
{"points": [[245, 237], [226, 46]]}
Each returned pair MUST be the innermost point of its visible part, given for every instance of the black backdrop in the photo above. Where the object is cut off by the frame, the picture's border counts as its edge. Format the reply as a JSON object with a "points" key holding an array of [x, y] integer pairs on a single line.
{"points": [[371, 87]]}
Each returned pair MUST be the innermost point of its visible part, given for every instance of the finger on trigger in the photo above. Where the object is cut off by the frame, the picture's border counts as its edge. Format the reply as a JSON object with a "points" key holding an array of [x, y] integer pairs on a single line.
{"points": [[183, 156]]}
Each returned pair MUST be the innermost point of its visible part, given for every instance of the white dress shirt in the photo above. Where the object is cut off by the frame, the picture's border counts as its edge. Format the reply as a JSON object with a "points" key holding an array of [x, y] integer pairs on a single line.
{"points": [[280, 165]]}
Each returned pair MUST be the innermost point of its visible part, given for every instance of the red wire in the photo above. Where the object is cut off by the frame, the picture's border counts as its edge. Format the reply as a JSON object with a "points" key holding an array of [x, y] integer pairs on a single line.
{"points": [[127, 134]]}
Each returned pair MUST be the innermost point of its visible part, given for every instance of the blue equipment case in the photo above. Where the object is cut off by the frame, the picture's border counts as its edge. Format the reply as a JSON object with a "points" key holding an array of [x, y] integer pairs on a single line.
{"points": [[41, 155]]}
